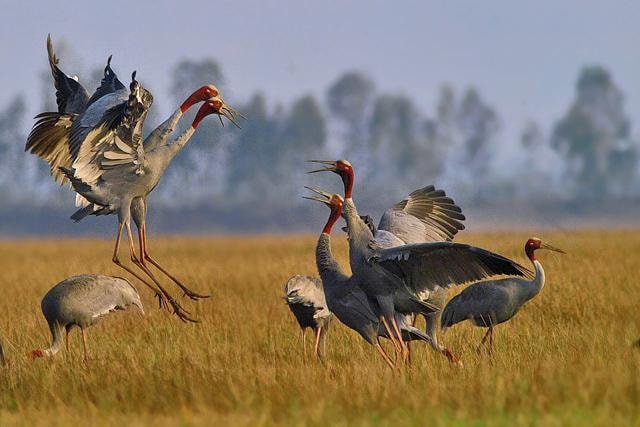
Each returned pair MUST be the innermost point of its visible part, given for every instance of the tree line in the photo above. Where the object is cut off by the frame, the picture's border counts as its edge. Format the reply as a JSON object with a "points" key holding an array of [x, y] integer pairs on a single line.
{"points": [[254, 175]]}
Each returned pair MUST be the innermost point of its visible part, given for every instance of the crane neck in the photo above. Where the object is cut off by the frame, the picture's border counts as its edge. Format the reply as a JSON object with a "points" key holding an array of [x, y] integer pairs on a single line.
{"points": [[348, 177], [333, 218], [56, 343], [534, 287], [160, 135], [330, 271]]}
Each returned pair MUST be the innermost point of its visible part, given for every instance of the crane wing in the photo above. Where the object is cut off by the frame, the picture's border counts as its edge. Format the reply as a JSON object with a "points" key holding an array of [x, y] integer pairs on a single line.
{"points": [[426, 215], [109, 84], [305, 290], [71, 96], [429, 266], [114, 143]]}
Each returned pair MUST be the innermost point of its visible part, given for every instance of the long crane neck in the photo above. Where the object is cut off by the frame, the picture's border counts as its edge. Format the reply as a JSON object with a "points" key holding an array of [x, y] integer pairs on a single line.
{"points": [[328, 268], [533, 287], [160, 135], [56, 344], [359, 234]]}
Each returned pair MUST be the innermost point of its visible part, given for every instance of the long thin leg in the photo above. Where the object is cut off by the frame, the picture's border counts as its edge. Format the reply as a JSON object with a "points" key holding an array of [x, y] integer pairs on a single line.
{"points": [[142, 231], [484, 338], [391, 334], [384, 355], [491, 339], [84, 345], [316, 347], [178, 310], [403, 346], [117, 262], [304, 346]]}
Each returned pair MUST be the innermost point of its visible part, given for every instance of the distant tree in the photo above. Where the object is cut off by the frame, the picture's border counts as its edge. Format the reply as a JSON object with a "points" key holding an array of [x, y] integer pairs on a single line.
{"points": [[253, 155], [349, 100], [189, 75], [594, 135], [478, 124]]}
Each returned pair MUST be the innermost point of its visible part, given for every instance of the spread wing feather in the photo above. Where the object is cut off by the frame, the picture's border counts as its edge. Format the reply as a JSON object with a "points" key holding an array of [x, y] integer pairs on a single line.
{"points": [[426, 215], [71, 96], [429, 266]]}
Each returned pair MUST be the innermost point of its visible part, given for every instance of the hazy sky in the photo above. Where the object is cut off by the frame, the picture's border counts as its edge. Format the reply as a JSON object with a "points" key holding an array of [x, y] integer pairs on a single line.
{"points": [[524, 58]]}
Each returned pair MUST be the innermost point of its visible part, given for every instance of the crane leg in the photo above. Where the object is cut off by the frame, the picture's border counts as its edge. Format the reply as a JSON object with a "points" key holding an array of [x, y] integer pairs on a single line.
{"points": [[84, 345], [316, 347], [384, 355], [403, 345], [116, 261], [66, 339], [484, 338], [145, 256], [304, 346], [178, 310], [391, 335]]}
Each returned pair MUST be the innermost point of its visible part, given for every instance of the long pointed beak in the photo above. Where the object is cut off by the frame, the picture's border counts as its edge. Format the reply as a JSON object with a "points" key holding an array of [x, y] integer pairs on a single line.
{"points": [[231, 114], [330, 165], [551, 248], [325, 197]]}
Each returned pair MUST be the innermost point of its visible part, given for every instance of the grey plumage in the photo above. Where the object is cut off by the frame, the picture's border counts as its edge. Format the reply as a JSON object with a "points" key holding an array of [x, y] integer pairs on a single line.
{"points": [[345, 298], [95, 144], [489, 303], [80, 301], [411, 270], [305, 297]]}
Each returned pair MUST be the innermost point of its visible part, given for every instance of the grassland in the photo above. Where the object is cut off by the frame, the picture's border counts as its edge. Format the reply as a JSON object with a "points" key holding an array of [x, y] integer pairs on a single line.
{"points": [[565, 359]]}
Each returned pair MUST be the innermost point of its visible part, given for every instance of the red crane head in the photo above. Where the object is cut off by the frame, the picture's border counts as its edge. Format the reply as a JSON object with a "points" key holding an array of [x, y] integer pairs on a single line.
{"points": [[534, 244], [200, 95], [37, 353], [334, 201], [340, 167], [217, 106]]}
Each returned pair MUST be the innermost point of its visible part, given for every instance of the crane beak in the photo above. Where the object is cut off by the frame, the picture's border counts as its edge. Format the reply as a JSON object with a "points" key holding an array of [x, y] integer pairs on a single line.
{"points": [[330, 165], [551, 248], [230, 113], [324, 196]]}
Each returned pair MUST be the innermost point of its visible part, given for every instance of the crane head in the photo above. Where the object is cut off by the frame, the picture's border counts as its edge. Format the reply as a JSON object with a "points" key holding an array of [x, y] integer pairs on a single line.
{"points": [[217, 106], [38, 353], [204, 93], [340, 167], [534, 243], [334, 201]]}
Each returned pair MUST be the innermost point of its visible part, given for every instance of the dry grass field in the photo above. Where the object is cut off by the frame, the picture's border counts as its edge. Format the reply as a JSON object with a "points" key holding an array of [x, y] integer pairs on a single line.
{"points": [[566, 359]]}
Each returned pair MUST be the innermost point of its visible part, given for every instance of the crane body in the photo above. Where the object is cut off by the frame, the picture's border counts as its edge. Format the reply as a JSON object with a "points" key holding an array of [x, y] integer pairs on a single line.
{"points": [[81, 301]]}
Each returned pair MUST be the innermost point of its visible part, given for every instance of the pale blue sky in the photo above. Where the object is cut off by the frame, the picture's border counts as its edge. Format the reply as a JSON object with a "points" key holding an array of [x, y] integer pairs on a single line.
{"points": [[524, 57]]}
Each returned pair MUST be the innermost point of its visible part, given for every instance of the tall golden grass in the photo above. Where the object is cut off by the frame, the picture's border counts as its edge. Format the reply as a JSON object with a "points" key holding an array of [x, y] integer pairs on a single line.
{"points": [[566, 359]]}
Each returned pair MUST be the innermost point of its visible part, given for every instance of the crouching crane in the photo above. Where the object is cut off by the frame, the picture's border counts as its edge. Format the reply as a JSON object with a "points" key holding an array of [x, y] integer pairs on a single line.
{"points": [[491, 302], [81, 301], [95, 143], [305, 297]]}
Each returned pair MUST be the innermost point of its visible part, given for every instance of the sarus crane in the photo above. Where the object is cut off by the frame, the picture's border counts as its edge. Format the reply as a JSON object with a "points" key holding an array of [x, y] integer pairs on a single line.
{"points": [[425, 215], [95, 143], [489, 303], [398, 277], [305, 297], [345, 298], [80, 301]]}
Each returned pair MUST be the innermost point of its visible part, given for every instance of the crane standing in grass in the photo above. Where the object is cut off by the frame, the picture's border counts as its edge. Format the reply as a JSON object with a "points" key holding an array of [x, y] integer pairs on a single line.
{"points": [[95, 143], [345, 298], [305, 297], [399, 278], [80, 301], [489, 303]]}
